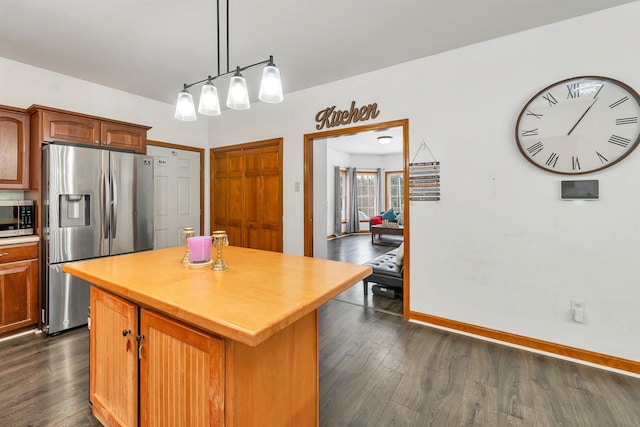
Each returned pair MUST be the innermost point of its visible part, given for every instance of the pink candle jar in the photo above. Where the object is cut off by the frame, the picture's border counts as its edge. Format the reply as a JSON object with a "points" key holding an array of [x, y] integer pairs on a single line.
{"points": [[199, 249]]}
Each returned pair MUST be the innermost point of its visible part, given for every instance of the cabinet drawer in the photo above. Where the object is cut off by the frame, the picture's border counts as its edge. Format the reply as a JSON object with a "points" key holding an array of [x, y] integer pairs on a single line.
{"points": [[18, 252]]}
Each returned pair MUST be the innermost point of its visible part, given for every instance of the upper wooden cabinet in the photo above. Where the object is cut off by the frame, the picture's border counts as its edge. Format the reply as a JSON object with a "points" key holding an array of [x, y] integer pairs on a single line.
{"points": [[57, 125], [71, 128], [14, 148], [125, 137]]}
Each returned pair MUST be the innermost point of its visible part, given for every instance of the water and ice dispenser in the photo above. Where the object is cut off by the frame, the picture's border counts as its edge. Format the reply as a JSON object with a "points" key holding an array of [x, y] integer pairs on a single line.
{"points": [[75, 210]]}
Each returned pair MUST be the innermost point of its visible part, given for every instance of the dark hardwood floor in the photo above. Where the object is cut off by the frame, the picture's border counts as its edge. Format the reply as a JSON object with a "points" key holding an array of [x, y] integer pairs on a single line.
{"points": [[376, 369], [44, 381]]}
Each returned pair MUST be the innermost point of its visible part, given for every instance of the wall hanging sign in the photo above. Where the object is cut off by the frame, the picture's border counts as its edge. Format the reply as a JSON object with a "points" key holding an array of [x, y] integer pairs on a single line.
{"points": [[330, 117], [424, 178]]}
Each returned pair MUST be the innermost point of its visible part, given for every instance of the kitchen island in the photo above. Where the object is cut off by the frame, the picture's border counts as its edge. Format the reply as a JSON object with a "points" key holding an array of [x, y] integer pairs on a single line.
{"points": [[235, 347]]}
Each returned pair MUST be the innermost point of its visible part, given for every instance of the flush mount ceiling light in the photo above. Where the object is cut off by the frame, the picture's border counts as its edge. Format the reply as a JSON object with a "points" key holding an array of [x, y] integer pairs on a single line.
{"points": [[238, 96], [385, 139]]}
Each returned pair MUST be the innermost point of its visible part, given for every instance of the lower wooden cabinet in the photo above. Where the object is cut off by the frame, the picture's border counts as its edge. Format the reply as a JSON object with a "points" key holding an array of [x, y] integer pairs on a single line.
{"points": [[180, 368], [18, 286], [113, 372]]}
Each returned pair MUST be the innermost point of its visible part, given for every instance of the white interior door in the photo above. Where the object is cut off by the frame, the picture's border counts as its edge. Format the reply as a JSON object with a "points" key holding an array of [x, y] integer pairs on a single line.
{"points": [[177, 194]]}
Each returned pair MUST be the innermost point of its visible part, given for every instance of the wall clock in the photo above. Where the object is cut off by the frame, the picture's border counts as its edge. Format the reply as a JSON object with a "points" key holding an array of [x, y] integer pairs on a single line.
{"points": [[579, 125]]}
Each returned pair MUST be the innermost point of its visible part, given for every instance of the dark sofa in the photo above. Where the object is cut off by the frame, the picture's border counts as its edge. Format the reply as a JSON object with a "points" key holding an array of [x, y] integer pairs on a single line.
{"points": [[388, 271]]}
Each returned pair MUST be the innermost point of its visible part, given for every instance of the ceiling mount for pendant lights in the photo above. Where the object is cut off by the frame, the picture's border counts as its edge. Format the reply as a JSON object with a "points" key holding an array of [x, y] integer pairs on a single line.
{"points": [[238, 95]]}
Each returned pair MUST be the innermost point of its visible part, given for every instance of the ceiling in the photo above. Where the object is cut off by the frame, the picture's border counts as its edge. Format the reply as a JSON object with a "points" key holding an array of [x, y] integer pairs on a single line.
{"points": [[367, 142], [151, 47]]}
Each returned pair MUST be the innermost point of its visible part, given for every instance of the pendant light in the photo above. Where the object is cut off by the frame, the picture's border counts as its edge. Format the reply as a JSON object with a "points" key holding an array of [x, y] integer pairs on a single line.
{"points": [[184, 106], [238, 96], [209, 101], [270, 86]]}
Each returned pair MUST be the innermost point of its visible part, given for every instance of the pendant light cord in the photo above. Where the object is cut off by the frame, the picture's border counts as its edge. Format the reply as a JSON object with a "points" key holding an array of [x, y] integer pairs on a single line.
{"points": [[218, 29], [227, 36]]}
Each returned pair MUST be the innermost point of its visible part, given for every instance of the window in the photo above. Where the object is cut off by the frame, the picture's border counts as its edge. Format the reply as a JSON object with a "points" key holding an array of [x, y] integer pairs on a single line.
{"points": [[367, 191], [395, 191]]}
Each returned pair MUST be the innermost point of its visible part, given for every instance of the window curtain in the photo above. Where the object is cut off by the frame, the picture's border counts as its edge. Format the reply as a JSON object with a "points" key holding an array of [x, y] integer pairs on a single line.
{"points": [[337, 203], [353, 221], [381, 204]]}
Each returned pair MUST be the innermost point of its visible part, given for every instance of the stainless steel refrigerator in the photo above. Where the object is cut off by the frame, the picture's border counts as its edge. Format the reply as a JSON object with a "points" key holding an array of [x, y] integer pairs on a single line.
{"points": [[96, 203]]}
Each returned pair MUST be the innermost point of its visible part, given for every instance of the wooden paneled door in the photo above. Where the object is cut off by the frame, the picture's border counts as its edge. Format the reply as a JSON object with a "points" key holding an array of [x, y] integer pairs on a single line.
{"points": [[246, 199]]}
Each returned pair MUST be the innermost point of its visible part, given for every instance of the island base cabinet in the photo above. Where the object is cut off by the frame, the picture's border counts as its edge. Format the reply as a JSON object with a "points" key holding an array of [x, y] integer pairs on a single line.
{"points": [[113, 373], [188, 376], [181, 374]]}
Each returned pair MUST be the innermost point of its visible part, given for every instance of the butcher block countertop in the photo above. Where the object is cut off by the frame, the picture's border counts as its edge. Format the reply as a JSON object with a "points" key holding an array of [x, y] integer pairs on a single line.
{"points": [[259, 295]]}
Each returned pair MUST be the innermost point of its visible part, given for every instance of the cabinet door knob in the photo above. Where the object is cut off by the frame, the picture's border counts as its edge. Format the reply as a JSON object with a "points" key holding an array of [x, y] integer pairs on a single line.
{"points": [[96, 142], [126, 332], [4, 254]]}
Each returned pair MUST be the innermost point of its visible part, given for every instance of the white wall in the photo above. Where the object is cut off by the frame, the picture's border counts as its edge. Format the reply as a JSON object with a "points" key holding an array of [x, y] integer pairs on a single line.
{"points": [[24, 85], [500, 250]]}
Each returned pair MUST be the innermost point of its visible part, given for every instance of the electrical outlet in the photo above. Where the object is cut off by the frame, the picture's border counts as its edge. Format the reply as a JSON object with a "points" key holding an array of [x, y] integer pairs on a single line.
{"points": [[297, 186], [577, 311]]}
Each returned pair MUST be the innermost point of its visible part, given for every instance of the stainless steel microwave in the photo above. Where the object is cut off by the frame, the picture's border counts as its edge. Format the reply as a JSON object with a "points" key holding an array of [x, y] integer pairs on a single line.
{"points": [[16, 218]]}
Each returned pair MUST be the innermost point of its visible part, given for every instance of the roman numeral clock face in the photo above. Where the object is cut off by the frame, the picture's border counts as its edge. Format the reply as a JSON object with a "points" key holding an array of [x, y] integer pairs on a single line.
{"points": [[579, 125]]}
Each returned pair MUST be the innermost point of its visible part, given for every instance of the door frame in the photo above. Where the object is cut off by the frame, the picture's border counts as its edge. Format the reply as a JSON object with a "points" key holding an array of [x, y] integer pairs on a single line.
{"points": [[308, 190], [200, 151]]}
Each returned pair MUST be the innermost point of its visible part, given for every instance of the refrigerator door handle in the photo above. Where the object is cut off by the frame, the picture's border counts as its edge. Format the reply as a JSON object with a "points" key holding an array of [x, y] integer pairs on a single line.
{"points": [[114, 204], [105, 206]]}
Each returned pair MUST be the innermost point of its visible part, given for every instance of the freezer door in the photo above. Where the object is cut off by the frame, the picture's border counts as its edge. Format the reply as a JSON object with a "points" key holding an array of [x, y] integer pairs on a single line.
{"points": [[74, 186], [67, 303], [132, 205]]}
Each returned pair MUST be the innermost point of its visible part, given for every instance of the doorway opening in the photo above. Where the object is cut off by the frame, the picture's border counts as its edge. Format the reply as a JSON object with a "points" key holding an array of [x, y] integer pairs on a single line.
{"points": [[313, 157]]}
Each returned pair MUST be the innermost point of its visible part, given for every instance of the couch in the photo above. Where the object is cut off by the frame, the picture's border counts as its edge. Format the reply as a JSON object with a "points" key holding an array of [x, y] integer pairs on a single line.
{"points": [[388, 271]]}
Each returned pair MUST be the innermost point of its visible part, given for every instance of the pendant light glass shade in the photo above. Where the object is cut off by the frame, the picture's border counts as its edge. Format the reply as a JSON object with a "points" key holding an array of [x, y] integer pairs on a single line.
{"points": [[185, 109], [209, 102], [238, 97], [270, 86]]}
